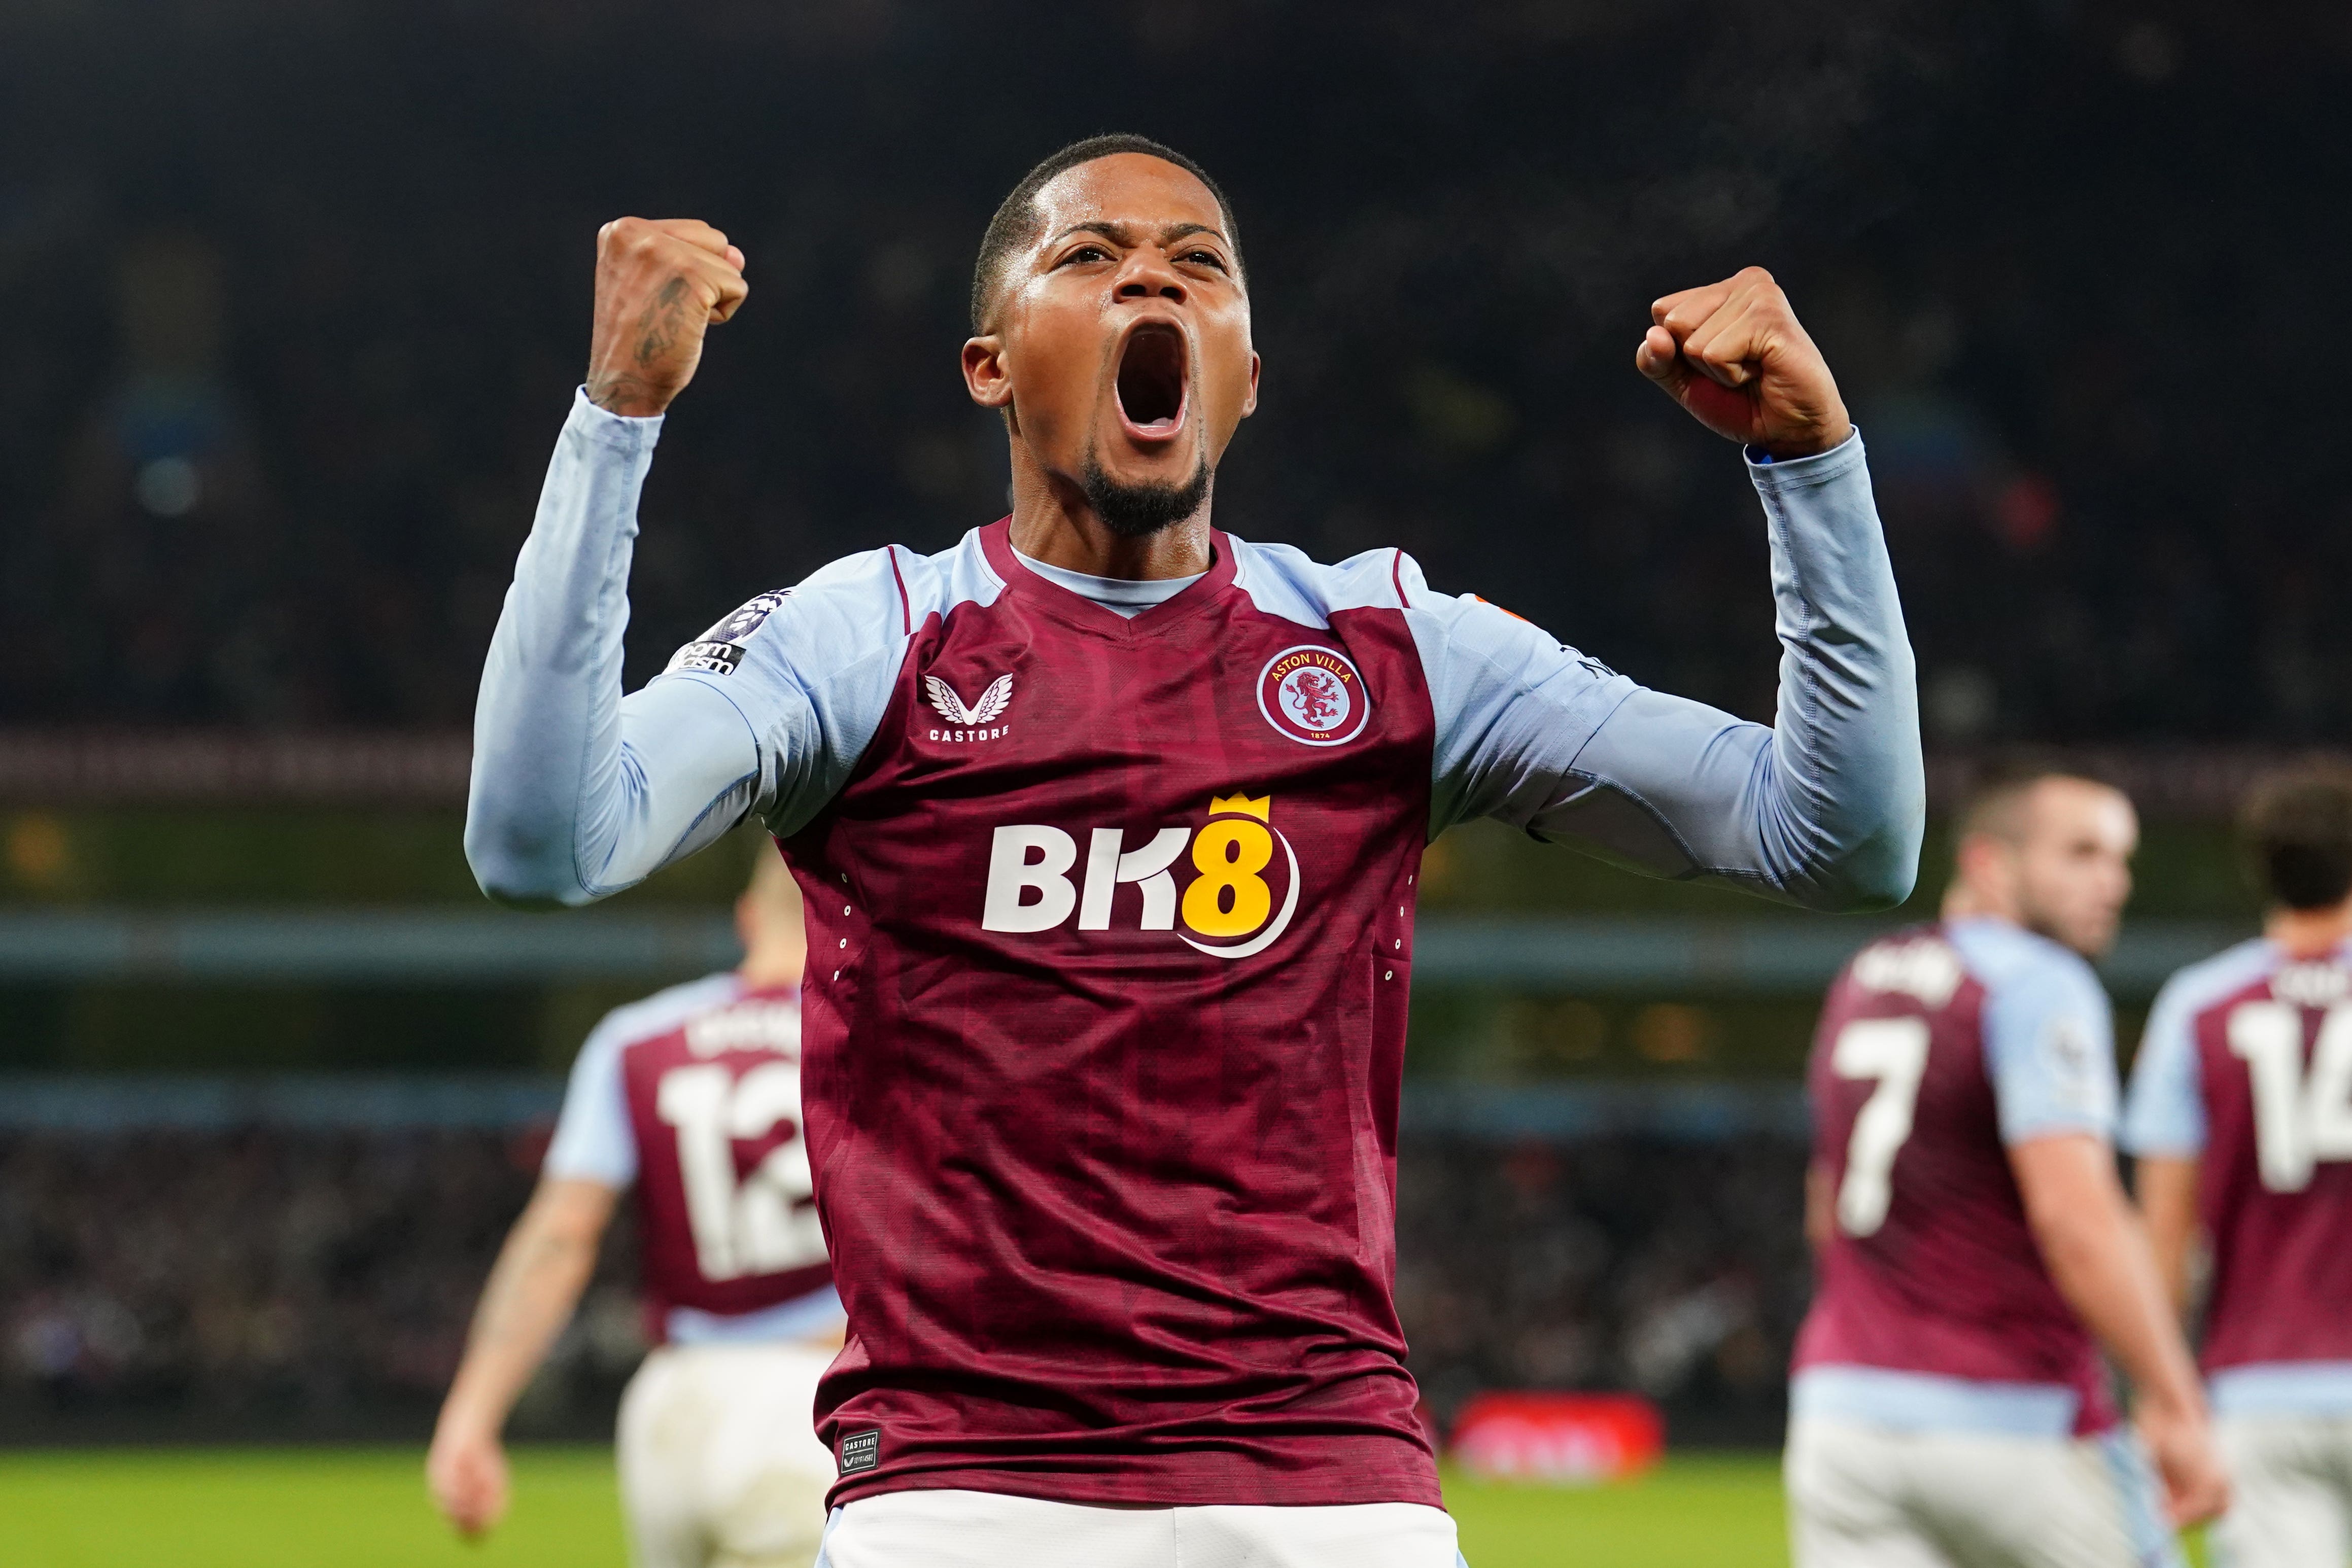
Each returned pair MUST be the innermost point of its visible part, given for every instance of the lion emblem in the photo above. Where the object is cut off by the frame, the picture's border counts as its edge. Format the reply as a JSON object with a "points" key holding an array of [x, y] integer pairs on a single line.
{"points": [[1315, 699]]}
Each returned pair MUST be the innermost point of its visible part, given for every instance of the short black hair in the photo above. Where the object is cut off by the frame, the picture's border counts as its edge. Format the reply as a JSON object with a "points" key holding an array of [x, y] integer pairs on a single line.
{"points": [[1015, 222], [2297, 831], [1995, 799]]}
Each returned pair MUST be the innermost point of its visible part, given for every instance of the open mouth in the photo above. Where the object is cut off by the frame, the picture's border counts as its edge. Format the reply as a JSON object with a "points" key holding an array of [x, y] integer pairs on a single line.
{"points": [[1151, 382]]}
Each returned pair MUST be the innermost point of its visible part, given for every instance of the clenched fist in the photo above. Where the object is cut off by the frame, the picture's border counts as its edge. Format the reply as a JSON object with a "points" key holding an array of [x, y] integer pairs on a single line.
{"points": [[1733, 354], [660, 284]]}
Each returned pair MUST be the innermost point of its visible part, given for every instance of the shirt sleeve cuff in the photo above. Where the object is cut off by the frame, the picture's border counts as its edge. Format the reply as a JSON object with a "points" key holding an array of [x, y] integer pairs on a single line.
{"points": [[2165, 1145], [2056, 1124], [617, 431], [1781, 473]]}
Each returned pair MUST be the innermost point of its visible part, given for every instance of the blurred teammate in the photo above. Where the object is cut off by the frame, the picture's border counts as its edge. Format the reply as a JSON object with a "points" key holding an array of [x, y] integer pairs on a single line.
{"points": [[692, 1098], [2240, 1116], [1973, 1244], [1109, 824]]}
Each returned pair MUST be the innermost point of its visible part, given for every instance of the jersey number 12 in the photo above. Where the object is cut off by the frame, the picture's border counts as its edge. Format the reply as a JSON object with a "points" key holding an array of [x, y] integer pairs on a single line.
{"points": [[763, 1225]]}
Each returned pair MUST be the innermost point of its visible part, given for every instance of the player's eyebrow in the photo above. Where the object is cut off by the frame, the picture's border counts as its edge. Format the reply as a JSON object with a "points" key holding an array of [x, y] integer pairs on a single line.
{"points": [[1118, 234], [1121, 234]]}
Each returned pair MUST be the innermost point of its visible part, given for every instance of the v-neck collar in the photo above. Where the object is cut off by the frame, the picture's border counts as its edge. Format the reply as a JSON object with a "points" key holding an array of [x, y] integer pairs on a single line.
{"points": [[1077, 609]]}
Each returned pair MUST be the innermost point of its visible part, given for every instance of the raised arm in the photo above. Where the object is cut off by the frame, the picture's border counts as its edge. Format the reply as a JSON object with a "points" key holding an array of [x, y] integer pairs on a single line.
{"points": [[1824, 807], [575, 793]]}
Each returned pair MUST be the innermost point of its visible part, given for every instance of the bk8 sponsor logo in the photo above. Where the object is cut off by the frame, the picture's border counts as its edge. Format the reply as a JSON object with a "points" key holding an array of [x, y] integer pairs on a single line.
{"points": [[1238, 856]]}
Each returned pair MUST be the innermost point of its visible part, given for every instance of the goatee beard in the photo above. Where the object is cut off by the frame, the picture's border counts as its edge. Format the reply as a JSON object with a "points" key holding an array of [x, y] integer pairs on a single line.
{"points": [[1139, 511]]}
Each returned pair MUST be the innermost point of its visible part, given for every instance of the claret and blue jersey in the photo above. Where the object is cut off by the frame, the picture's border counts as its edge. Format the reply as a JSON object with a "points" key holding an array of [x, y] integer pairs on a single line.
{"points": [[690, 1100], [1938, 1049], [2246, 1068], [1110, 892]]}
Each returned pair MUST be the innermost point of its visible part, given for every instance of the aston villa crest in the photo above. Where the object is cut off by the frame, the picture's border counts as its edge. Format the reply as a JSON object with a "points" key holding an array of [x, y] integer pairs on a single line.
{"points": [[1314, 695]]}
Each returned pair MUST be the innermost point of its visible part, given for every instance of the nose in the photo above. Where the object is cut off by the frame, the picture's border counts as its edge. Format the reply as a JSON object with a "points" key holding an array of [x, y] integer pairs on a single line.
{"points": [[1148, 276]]}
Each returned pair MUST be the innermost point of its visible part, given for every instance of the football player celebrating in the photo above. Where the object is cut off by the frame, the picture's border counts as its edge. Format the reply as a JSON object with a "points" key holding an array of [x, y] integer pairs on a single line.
{"points": [[1110, 824], [2240, 1116], [692, 1097], [1973, 1243]]}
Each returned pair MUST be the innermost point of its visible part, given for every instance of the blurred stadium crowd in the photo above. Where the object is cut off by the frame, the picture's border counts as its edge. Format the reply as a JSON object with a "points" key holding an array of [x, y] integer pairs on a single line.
{"points": [[288, 343], [260, 1280], [282, 1278], [1676, 1268]]}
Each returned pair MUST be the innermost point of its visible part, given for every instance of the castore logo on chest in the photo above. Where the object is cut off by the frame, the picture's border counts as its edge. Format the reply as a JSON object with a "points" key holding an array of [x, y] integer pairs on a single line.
{"points": [[976, 721]]}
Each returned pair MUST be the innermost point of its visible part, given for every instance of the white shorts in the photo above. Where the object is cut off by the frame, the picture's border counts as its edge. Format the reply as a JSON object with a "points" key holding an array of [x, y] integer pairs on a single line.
{"points": [[989, 1530], [1862, 1496], [720, 1466], [2290, 1491]]}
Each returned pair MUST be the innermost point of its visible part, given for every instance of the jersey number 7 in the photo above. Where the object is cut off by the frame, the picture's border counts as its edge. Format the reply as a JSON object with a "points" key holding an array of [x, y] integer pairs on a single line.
{"points": [[1894, 1051]]}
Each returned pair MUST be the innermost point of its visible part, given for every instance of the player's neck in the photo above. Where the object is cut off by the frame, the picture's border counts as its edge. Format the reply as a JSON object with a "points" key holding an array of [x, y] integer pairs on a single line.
{"points": [[2309, 932], [773, 969], [1962, 902], [1053, 522]]}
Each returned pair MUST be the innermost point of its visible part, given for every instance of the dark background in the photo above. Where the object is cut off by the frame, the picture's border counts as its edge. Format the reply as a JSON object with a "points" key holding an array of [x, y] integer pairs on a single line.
{"points": [[293, 295], [296, 293]]}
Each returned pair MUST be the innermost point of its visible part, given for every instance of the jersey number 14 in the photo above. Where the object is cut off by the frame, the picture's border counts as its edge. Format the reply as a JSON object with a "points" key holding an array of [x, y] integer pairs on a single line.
{"points": [[2300, 1118], [763, 1225]]}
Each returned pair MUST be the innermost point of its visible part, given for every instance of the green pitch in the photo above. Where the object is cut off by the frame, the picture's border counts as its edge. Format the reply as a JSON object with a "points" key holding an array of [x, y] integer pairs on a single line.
{"points": [[365, 1508]]}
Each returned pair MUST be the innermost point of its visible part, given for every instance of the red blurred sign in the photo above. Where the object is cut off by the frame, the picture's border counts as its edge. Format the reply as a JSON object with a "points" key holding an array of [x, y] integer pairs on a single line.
{"points": [[1575, 1438]]}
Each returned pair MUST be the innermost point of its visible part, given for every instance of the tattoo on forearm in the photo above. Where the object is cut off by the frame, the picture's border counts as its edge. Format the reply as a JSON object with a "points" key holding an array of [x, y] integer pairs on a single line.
{"points": [[614, 393], [504, 1313], [656, 333]]}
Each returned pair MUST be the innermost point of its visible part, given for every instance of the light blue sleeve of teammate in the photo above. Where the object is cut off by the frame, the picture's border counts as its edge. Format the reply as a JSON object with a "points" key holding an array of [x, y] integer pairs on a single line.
{"points": [[578, 793], [2050, 1047], [1824, 807], [2164, 1115], [593, 1141]]}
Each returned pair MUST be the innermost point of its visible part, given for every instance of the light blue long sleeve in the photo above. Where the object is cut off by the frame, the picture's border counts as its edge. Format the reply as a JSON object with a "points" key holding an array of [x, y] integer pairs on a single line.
{"points": [[1824, 807], [571, 797], [579, 791]]}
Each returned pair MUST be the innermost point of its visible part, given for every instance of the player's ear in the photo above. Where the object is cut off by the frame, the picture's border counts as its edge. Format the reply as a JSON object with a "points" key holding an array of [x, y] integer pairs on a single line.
{"points": [[984, 375], [1249, 403]]}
